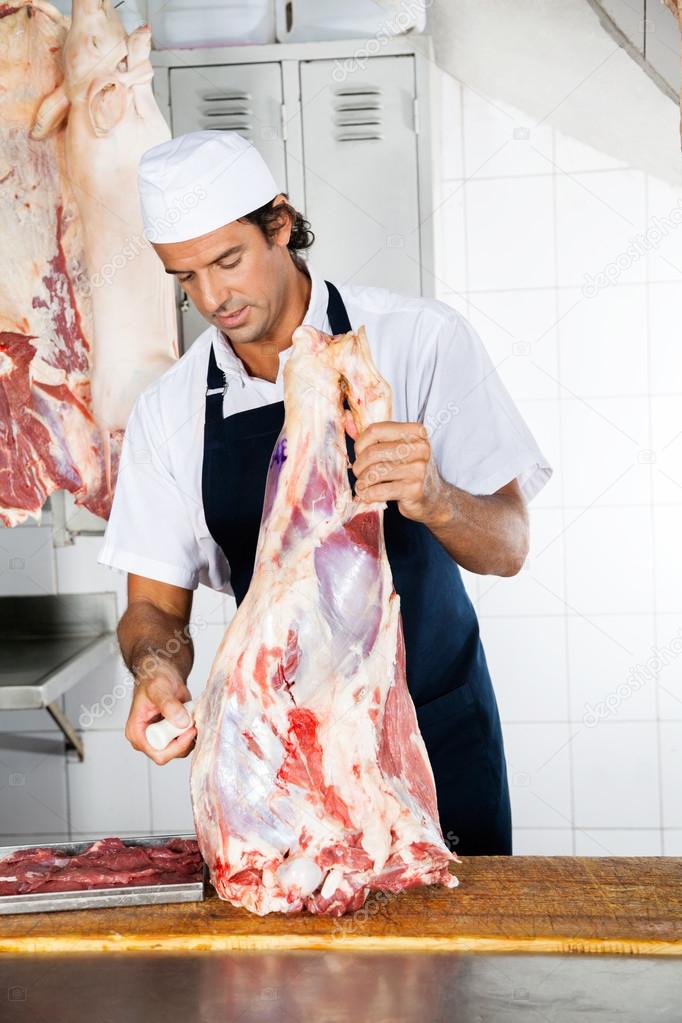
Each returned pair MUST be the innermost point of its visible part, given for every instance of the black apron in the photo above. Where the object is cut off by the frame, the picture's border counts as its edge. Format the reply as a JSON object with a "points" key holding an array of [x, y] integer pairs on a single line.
{"points": [[447, 673]]}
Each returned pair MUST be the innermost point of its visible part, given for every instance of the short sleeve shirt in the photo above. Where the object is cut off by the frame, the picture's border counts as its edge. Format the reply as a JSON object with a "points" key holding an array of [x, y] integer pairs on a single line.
{"points": [[440, 374]]}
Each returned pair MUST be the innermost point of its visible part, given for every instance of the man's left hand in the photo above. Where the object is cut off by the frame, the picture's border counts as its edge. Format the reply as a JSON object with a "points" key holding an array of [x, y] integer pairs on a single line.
{"points": [[394, 462]]}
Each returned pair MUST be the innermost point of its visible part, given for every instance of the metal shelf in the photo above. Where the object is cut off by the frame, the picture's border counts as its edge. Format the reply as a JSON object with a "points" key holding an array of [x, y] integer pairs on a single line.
{"points": [[50, 643]]}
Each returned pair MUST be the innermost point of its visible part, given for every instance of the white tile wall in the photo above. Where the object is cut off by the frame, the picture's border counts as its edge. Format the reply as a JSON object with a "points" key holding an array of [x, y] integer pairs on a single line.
{"points": [[582, 643], [672, 841], [671, 771], [666, 437], [616, 775], [665, 301], [539, 769], [530, 687], [27, 566], [619, 426], [510, 232], [543, 842], [603, 341], [33, 797], [520, 334], [170, 798], [618, 842], [609, 560], [500, 141], [669, 676], [109, 789], [597, 216], [609, 675]]}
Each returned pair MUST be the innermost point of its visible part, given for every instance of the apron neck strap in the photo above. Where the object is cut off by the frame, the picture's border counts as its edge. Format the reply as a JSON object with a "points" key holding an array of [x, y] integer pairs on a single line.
{"points": [[336, 311]]}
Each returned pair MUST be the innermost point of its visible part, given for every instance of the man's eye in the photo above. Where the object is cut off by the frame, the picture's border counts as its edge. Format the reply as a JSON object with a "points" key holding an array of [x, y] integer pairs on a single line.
{"points": [[183, 280], [229, 266]]}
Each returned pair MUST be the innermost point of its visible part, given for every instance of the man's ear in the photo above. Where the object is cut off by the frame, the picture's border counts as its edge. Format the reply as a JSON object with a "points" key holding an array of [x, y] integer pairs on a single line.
{"points": [[285, 221], [107, 104], [50, 114]]}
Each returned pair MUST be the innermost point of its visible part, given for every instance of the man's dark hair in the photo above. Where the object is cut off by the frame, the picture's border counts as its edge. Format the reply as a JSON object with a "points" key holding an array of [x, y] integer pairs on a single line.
{"points": [[269, 219]]}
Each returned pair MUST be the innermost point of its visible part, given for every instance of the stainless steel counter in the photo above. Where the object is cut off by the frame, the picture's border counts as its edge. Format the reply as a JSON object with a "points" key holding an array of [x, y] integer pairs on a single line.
{"points": [[336, 987]]}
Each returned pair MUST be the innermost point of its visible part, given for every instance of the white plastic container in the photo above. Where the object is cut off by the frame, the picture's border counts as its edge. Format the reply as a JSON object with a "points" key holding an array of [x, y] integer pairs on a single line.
{"points": [[182, 24], [303, 21]]}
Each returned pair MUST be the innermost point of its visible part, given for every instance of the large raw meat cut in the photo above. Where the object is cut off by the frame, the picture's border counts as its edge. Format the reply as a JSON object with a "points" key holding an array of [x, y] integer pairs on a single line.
{"points": [[48, 436], [310, 781]]}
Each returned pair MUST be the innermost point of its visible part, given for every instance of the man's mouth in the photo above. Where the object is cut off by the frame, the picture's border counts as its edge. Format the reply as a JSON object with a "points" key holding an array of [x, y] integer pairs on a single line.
{"points": [[235, 318]]}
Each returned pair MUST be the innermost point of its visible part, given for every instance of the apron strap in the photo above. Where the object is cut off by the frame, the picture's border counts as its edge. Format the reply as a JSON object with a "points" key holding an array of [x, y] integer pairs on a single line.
{"points": [[215, 378], [336, 311]]}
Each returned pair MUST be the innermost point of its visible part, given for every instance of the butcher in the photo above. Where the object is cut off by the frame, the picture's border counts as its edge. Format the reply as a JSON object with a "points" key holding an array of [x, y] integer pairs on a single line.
{"points": [[456, 465]]}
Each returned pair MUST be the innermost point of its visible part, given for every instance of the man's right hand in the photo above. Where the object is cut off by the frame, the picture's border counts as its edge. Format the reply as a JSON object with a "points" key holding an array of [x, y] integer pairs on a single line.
{"points": [[160, 694], [156, 617]]}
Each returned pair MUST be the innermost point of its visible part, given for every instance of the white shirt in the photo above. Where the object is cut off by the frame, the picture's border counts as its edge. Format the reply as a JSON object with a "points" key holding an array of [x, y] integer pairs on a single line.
{"points": [[439, 372]]}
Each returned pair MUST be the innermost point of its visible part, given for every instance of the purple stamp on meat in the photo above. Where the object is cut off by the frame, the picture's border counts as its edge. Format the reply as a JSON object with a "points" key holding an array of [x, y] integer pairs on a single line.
{"points": [[279, 455]]}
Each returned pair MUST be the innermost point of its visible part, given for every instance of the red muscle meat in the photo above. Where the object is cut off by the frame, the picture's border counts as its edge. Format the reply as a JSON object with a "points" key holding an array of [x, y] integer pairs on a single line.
{"points": [[107, 863], [311, 784]]}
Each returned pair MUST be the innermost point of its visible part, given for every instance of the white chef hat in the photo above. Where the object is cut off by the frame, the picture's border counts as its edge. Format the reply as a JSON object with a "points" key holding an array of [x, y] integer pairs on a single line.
{"points": [[199, 182]]}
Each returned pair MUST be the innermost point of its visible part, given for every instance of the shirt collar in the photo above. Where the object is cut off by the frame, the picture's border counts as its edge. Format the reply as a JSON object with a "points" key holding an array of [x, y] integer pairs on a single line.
{"points": [[315, 316]]}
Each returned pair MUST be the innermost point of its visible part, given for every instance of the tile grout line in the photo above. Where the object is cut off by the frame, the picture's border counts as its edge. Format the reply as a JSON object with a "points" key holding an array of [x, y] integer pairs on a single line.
{"points": [[465, 195], [652, 520], [564, 559]]}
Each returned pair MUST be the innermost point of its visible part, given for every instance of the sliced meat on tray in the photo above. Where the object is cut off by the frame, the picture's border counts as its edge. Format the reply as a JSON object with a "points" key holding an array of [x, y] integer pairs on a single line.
{"points": [[107, 863]]}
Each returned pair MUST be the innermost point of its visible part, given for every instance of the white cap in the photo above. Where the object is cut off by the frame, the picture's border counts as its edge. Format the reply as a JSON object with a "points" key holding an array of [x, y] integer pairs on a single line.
{"points": [[199, 182]]}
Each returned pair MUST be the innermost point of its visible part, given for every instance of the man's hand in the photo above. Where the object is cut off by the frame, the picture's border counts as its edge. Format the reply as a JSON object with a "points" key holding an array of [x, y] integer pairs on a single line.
{"points": [[487, 534], [160, 692], [154, 624], [394, 462]]}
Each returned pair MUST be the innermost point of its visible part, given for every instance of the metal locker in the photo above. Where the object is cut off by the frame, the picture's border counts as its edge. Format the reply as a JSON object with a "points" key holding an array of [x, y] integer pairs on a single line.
{"points": [[361, 180], [246, 98]]}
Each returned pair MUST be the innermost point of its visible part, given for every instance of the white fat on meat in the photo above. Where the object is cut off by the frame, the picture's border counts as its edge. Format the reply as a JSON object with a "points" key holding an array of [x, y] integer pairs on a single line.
{"points": [[311, 784]]}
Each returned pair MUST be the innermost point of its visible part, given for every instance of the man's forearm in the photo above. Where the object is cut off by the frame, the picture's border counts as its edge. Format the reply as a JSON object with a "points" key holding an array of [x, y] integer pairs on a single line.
{"points": [[150, 637], [487, 534]]}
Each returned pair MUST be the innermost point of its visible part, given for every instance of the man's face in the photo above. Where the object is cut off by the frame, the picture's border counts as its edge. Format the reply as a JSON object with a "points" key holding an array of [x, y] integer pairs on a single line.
{"points": [[234, 277]]}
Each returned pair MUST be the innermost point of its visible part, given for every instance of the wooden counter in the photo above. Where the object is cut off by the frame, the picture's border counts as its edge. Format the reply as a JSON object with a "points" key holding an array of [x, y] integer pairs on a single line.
{"points": [[535, 904]]}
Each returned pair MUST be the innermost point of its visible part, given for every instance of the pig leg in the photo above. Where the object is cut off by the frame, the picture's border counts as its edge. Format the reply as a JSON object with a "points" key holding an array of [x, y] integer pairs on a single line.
{"points": [[141, 72], [51, 114], [139, 46]]}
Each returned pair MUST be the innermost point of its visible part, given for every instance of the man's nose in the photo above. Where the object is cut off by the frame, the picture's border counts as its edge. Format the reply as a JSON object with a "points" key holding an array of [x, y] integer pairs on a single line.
{"points": [[211, 294]]}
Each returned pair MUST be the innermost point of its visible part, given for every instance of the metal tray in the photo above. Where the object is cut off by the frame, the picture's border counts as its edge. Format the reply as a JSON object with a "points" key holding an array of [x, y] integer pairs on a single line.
{"points": [[99, 898]]}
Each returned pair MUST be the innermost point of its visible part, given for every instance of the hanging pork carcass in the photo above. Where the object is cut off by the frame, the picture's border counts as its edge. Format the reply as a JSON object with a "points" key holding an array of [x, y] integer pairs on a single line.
{"points": [[87, 315], [48, 436], [111, 119]]}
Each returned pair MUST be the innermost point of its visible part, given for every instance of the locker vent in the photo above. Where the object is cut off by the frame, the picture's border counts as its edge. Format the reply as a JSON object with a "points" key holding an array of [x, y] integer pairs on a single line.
{"points": [[358, 114], [227, 110]]}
